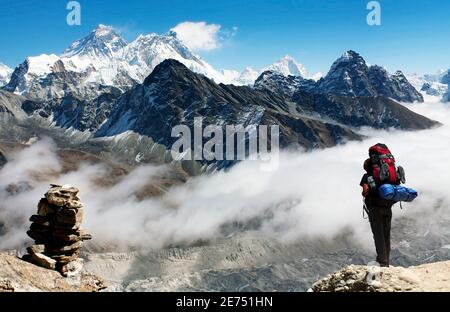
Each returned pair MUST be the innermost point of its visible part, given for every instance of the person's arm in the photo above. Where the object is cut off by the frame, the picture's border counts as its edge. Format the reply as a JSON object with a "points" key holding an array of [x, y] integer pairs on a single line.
{"points": [[366, 190], [365, 185]]}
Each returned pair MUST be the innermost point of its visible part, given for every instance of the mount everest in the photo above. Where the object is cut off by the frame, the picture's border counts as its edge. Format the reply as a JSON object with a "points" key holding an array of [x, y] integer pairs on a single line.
{"points": [[103, 59], [106, 86]]}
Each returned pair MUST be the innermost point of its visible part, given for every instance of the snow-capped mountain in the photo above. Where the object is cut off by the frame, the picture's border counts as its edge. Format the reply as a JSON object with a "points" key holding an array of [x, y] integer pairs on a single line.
{"points": [[147, 51], [284, 85], [351, 76], [102, 58], [434, 87], [5, 74], [348, 76], [178, 94], [247, 77], [286, 66], [101, 44]]}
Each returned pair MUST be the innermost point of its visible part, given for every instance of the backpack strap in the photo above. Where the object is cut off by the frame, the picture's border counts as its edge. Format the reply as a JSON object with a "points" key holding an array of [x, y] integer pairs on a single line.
{"points": [[365, 209]]}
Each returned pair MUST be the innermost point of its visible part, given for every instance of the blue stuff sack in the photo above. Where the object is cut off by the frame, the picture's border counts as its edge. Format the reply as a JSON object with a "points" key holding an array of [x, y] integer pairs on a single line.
{"points": [[397, 193]]}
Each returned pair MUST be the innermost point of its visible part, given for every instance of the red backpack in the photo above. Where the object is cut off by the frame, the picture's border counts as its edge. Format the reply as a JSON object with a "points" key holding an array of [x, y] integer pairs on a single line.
{"points": [[383, 165]]}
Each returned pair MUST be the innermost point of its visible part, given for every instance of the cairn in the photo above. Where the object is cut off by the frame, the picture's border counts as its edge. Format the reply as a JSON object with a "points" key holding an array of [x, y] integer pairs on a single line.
{"points": [[56, 231]]}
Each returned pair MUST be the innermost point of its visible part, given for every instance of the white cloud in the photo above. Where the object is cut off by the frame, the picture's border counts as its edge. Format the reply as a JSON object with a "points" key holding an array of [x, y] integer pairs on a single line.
{"points": [[313, 194], [199, 36]]}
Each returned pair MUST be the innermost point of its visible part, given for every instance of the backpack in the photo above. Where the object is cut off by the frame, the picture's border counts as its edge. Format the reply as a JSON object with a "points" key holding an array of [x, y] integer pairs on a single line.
{"points": [[383, 166], [397, 193]]}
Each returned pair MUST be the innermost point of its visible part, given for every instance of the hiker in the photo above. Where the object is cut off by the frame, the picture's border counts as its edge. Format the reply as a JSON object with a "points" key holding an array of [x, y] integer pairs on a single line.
{"points": [[379, 209], [381, 190]]}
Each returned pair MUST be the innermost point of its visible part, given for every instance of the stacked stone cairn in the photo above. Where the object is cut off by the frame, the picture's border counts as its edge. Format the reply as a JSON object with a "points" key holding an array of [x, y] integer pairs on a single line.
{"points": [[56, 231]]}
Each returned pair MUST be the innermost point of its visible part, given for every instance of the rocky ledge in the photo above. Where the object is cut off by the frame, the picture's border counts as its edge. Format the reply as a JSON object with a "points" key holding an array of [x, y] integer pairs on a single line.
{"points": [[17, 275], [430, 277]]}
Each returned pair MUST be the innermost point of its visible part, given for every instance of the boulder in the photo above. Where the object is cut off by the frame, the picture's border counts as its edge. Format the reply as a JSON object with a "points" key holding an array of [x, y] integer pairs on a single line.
{"points": [[42, 260], [45, 209], [35, 249], [69, 216], [63, 248]]}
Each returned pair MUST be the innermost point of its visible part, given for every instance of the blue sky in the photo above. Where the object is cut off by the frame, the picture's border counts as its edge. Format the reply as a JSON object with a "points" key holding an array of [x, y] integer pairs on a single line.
{"points": [[413, 37]]}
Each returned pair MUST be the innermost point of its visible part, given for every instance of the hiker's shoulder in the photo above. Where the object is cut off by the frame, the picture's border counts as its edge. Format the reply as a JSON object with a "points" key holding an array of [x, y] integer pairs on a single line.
{"points": [[364, 179]]}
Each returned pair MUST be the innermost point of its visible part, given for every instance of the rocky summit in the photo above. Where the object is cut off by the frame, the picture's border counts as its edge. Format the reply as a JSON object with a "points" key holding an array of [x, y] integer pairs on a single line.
{"points": [[356, 278], [56, 231], [17, 275]]}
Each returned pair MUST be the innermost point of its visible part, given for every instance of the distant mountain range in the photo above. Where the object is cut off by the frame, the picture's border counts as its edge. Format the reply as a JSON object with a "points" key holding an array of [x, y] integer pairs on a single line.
{"points": [[5, 74], [348, 76], [172, 95], [105, 87], [434, 87], [104, 58]]}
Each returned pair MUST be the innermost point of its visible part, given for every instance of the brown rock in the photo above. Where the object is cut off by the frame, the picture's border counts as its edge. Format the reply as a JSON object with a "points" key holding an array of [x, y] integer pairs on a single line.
{"points": [[21, 276], [61, 248], [63, 259], [64, 196], [35, 249], [67, 227], [45, 209], [43, 261], [72, 268], [36, 227], [69, 216], [85, 236], [70, 238], [44, 221], [67, 231], [40, 238]]}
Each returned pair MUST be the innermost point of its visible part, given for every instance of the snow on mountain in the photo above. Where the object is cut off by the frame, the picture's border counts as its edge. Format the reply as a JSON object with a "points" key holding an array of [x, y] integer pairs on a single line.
{"points": [[350, 75], [103, 58], [434, 87], [146, 52], [5, 74], [286, 66], [102, 43]]}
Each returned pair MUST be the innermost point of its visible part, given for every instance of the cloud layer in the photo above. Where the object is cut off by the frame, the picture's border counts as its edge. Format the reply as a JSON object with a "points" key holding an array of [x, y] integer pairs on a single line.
{"points": [[314, 194]]}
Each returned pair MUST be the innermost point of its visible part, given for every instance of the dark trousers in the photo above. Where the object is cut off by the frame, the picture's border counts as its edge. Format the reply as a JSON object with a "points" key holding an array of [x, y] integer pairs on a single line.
{"points": [[380, 223]]}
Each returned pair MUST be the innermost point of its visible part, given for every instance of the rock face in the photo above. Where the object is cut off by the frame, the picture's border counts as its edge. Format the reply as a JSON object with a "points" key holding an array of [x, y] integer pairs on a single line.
{"points": [[56, 231], [178, 94], [350, 76], [11, 104], [17, 275], [282, 84], [354, 278]]}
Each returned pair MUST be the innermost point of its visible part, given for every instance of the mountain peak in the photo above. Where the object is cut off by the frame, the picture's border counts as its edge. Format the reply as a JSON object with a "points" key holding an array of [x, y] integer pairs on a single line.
{"points": [[169, 69], [350, 54], [288, 66], [102, 41], [103, 30]]}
